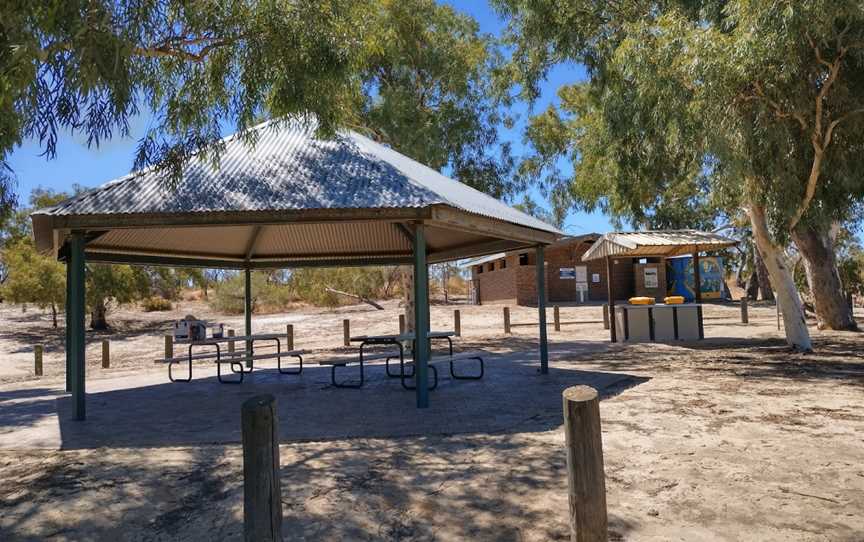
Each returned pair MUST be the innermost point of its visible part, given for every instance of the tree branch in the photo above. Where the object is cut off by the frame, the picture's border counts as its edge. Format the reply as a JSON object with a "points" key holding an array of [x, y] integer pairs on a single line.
{"points": [[818, 139], [355, 296]]}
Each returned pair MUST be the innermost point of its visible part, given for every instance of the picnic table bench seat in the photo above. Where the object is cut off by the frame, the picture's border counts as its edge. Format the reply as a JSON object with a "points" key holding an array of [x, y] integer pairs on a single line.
{"points": [[461, 356], [342, 361]]}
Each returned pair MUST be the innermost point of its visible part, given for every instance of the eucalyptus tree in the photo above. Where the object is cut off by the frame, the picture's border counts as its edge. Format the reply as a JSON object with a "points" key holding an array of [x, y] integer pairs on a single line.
{"points": [[761, 102], [426, 91], [91, 66], [412, 73]]}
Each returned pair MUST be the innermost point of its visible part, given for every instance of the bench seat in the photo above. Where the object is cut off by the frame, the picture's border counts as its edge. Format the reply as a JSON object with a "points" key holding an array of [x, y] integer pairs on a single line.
{"points": [[462, 356]]}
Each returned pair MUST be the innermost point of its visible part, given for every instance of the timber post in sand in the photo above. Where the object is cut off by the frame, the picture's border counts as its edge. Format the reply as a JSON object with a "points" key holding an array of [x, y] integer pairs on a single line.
{"points": [[586, 479], [262, 491]]}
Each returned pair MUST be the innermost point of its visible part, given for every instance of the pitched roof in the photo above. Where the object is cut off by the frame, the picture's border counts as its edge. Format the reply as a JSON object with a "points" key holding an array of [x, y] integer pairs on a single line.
{"points": [[655, 243], [559, 242], [289, 169]]}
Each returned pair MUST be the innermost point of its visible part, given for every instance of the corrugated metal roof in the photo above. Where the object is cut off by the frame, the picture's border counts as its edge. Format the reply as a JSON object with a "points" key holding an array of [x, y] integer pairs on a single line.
{"points": [[288, 170], [655, 243], [563, 241], [484, 259]]}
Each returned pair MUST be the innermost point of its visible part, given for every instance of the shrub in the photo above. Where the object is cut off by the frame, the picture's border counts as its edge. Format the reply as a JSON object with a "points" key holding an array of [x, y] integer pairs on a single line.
{"points": [[152, 304]]}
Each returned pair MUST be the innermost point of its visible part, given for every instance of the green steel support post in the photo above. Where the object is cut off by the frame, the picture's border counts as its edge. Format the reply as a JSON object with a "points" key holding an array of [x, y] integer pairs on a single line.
{"points": [[75, 293], [247, 311], [541, 307], [421, 318], [68, 327]]}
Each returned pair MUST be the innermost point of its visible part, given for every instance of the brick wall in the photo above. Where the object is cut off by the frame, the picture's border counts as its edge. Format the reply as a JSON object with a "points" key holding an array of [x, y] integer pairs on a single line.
{"points": [[517, 284], [497, 282], [622, 278]]}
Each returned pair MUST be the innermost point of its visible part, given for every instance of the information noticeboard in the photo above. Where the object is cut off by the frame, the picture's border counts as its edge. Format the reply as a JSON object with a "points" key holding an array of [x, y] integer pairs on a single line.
{"points": [[651, 277]]}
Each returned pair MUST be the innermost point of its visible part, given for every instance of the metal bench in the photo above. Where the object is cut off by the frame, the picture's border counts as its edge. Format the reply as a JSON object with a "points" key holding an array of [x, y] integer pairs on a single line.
{"points": [[459, 357], [343, 362], [235, 359]]}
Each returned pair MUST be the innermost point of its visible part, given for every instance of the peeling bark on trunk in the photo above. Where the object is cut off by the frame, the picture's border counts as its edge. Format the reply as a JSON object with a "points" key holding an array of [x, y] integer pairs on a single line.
{"points": [[408, 298], [408, 301], [820, 266], [797, 334], [762, 277]]}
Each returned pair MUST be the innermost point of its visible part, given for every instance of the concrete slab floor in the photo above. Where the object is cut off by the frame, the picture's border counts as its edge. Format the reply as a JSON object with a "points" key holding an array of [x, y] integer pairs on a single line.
{"points": [[148, 410]]}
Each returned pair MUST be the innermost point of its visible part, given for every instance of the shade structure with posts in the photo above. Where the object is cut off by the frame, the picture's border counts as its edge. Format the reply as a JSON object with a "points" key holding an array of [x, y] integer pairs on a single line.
{"points": [[658, 243], [291, 200]]}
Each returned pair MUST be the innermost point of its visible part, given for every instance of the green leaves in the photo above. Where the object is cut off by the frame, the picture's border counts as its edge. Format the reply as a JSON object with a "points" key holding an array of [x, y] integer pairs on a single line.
{"points": [[695, 108], [413, 74]]}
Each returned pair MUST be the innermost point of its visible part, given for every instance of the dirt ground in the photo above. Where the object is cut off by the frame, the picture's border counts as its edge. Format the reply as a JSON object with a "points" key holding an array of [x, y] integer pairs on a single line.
{"points": [[734, 438]]}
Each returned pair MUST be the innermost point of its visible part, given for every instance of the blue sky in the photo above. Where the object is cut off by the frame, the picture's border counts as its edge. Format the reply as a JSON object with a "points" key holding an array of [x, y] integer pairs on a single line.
{"points": [[76, 164]]}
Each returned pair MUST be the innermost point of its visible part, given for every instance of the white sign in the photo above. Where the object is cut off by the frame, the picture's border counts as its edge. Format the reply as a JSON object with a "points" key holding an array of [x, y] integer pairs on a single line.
{"points": [[581, 274], [595, 277], [651, 277], [566, 273]]}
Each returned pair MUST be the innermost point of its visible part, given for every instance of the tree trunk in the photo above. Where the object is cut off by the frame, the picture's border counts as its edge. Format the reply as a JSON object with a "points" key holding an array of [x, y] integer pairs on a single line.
{"points": [[97, 316], [797, 334], [408, 298], [53, 315], [820, 266], [762, 277], [446, 283], [753, 286]]}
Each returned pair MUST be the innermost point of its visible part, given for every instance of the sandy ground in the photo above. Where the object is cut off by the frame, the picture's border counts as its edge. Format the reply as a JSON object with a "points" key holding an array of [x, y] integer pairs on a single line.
{"points": [[735, 438]]}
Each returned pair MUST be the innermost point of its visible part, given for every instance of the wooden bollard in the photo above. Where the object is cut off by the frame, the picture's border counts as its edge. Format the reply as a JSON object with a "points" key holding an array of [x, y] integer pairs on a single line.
{"points": [[401, 324], [262, 491], [37, 361], [605, 316], [507, 320], [231, 346], [289, 333], [585, 476], [556, 317], [457, 323], [745, 318], [346, 332], [106, 354], [777, 305], [169, 346]]}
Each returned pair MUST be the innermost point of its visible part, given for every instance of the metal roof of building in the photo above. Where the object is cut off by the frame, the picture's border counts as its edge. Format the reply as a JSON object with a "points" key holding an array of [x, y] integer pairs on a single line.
{"points": [[655, 243], [290, 169], [564, 240], [290, 200]]}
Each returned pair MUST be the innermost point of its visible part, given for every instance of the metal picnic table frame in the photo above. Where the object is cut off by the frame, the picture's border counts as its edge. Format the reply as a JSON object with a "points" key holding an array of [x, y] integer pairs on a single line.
{"points": [[240, 357], [398, 341]]}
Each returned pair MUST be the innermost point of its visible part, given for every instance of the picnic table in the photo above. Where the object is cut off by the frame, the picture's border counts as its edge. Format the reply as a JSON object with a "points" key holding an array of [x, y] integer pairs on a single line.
{"points": [[398, 340], [236, 359]]}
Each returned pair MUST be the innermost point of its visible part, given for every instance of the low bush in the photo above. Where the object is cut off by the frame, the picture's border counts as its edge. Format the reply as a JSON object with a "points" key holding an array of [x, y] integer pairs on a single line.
{"points": [[152, 304]]}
